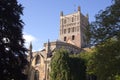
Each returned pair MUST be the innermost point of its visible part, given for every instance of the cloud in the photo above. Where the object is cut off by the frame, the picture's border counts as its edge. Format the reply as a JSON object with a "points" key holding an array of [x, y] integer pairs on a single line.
{"points": [[28, 38]]}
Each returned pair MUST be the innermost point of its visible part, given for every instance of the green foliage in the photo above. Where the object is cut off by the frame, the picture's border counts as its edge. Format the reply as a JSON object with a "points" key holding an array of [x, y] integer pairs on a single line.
{"points": [[12, 51], [105, 32], [59, 65], [77, 68], [117, 77], [103, 60], [106, 59], [107, 23], [67, 67], [87, 57]]}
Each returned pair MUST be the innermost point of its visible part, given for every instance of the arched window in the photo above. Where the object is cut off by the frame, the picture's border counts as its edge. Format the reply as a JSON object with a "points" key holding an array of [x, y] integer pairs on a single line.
{"points": [[68, 30], [64, 38], [73, 29], [37, 61], [73, 37], [64, 31], [36, 76]]}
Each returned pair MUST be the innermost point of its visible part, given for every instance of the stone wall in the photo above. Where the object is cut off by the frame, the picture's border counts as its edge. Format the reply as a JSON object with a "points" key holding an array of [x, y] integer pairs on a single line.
{"points": [[72, 28]]}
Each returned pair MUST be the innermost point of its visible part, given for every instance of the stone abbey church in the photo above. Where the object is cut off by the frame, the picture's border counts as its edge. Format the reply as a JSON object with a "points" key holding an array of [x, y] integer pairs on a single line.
{"points": [[71, 37]]}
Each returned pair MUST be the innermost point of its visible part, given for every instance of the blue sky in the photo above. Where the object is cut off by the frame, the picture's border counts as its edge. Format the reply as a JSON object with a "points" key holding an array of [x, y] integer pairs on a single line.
{"points": [[42, 17]]}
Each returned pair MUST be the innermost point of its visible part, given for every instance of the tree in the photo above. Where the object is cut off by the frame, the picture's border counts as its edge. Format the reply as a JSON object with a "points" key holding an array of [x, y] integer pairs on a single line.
{"points": [[77, 68], [103, 61], [106, 59], [105, 32], [59, 65], [87, 57], [107, 23], [106, 27], [67, 67], [12, 50]]}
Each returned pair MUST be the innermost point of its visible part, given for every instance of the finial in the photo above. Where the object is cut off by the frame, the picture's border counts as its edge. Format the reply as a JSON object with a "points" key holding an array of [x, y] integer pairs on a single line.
{"points": [[48, 47], [30, 47], [48, 41], [78, 8], [87, 15], [30, 51], [61, 13]]}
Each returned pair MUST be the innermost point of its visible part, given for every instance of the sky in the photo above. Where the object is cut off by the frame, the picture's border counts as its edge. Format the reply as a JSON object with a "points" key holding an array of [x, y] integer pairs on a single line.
{"points": [[42, 17]]}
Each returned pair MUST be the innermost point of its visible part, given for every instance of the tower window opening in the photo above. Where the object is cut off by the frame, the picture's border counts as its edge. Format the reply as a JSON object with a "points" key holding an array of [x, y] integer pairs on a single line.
{"points": [[64, 31], [73, 37], [78, 28], [73, 29], [68, 30], [64, 38]]}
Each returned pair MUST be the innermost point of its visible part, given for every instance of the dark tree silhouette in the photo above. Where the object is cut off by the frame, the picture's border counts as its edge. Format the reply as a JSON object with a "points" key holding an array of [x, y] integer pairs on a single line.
{"points": [[77, 68], [12, 50], [107, 23]]}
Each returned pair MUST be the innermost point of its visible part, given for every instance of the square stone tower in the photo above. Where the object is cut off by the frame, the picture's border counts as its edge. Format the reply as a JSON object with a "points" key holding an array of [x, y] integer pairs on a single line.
{"points": [[73, 27]]}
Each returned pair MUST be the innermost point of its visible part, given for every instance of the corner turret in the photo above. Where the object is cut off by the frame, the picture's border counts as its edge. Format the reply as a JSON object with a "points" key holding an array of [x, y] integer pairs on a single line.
{"points": [[61, 13], [79, 9]]}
